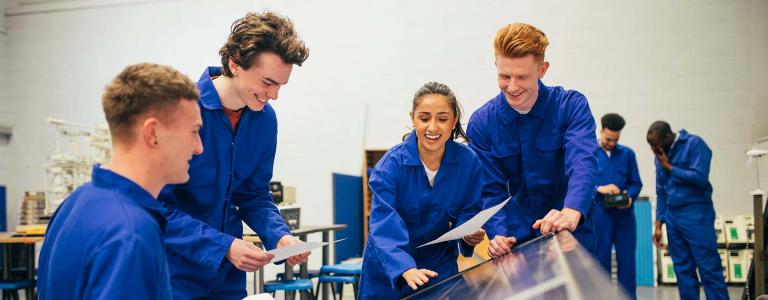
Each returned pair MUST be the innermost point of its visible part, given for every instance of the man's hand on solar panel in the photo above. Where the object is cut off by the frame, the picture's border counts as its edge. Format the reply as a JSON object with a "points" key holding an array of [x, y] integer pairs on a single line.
{"points": [[500, 245], [556, 220], [418, 277], [475, 238]]}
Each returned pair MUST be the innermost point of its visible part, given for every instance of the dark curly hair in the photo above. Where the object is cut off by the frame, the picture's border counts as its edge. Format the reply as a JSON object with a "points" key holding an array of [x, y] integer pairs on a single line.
{"points": [[613, 122], [262, 32]]}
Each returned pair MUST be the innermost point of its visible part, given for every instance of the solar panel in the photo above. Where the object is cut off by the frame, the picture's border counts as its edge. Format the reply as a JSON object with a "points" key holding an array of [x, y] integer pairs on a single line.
{"points": [[547, 267]]}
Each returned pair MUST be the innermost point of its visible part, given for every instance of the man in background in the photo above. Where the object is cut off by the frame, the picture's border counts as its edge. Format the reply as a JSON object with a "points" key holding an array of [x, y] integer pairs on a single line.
{"points": [[684, 204], [615, 226]]}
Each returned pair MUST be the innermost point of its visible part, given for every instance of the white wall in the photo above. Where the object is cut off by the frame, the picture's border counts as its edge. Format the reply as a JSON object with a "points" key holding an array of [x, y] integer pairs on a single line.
{"points": [[692, 63], [759, 64], [3, 4], [7, 155]]}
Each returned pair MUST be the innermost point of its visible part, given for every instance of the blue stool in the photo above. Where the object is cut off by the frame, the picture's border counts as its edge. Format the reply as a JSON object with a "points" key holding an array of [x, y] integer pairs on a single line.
{"points": [[301, 285], [11, 288], [297, 275], [340, 274], [346, 269]]}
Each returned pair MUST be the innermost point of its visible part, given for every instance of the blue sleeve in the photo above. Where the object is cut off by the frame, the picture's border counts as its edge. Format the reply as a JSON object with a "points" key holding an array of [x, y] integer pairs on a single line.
{"points": [[127, 268], [494, 180], [473, 204], [190, 237], [387, 229], [255, 204], [661, 195], [596, 195], [580, 159], [635, 184], [697, 171]]}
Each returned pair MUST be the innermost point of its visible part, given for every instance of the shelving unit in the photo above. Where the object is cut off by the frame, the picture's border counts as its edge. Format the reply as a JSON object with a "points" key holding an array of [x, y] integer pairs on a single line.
{"points": [[371, 157]]}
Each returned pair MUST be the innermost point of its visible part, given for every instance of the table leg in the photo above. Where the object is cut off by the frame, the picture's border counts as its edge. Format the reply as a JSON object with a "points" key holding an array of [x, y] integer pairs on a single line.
{"points": [[325, 262], [303, 269], [258, 281], [258, 277], [303, 272], [288, 276], [30, 268], [6, 261]]}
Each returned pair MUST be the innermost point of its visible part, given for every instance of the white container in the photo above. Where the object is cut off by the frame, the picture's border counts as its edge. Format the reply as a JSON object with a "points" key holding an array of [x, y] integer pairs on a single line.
{"points": [[738, 265], [724, 262], [666, 267]]}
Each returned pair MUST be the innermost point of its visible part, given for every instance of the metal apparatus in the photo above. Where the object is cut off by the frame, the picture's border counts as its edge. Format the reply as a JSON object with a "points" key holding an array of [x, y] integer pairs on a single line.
{"points": [[78, 148], [757, 204]]}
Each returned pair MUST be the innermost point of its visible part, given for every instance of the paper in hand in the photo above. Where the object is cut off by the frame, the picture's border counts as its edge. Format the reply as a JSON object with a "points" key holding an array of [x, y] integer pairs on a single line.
{"points": [[470, 226], [296, 249], [263, 296]]}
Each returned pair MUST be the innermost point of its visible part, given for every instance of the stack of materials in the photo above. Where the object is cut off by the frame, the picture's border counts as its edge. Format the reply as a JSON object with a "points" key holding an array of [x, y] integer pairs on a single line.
{"points": [[32, 209]]}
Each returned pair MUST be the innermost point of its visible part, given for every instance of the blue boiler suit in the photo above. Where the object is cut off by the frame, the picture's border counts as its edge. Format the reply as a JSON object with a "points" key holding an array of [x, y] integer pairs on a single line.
{"points": [[105, 241], [684, 203], [614, 226], [229, 182], [543, 160], [406, 213]]}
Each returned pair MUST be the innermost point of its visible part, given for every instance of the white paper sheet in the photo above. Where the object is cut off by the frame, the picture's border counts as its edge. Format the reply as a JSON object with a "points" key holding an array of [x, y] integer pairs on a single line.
{"points": [[296, 249], [470, 226], [264, 296]]}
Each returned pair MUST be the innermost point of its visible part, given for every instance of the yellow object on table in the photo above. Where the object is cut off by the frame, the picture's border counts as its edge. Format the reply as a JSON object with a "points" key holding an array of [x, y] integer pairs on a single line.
{"points": [[480, 255], [33, 230]]}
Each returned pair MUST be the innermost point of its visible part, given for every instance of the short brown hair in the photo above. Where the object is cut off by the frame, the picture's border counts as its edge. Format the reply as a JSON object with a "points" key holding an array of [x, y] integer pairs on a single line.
{"points": [[143, 88], [257, 33], [519, 40]]}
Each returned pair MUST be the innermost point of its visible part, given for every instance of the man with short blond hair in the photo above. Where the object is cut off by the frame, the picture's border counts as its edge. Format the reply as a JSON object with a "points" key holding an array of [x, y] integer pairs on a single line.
{"points": [[105, 241], [537, 144]]}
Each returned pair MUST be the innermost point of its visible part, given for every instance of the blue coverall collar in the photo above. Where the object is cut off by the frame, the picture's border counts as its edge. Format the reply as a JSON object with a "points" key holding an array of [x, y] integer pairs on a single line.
{"points": [[411, 156], [107, 179], [681, 137], [539, 109], [209, 97], [619, 148]]}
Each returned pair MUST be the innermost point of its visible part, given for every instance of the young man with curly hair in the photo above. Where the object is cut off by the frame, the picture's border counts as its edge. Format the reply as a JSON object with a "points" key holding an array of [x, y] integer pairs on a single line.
{"points": [[229, 184]]}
